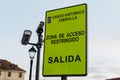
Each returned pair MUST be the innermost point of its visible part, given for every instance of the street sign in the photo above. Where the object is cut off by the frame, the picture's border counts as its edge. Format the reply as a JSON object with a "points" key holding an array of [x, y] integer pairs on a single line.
{"points": [[65, 47]]}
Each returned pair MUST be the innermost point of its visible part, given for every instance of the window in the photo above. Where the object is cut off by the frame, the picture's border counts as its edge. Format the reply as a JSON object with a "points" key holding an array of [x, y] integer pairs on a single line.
{"points": [[9, 74], [0, 73], [12, 66], [0, 64], [20, 75]]}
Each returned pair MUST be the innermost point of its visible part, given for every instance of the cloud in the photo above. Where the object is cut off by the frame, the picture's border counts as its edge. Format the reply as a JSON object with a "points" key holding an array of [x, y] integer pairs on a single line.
{"points": [[102, 69]]}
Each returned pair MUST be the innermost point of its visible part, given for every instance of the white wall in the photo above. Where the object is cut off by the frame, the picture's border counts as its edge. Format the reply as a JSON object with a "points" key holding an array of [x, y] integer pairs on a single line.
{"points": [[14, 75]]}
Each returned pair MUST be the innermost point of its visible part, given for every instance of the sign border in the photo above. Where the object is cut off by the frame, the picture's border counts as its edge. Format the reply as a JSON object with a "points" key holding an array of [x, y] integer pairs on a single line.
{"points": [[44, 45]]}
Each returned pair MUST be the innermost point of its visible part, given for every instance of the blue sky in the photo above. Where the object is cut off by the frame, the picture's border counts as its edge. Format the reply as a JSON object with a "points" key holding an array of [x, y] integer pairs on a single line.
{"points": [[103, 33]]}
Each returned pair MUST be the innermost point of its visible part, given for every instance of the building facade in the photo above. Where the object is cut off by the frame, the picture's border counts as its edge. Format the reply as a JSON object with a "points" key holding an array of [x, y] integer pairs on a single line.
{"points": [[10, 71]]}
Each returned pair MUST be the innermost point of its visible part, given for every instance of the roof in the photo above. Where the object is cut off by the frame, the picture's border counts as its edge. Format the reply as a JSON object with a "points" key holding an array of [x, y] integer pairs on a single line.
{"points": [[6, 65]]}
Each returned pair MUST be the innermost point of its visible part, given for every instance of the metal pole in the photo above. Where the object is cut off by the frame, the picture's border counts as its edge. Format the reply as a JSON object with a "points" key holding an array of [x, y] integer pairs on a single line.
{"points": [[31, 62], [37, 64], [64, 78], [25, 41], [38, 58]]}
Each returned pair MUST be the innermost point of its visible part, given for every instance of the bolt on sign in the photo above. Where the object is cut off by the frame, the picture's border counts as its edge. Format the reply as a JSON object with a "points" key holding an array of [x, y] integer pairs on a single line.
{"points": [[65, 48]]}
